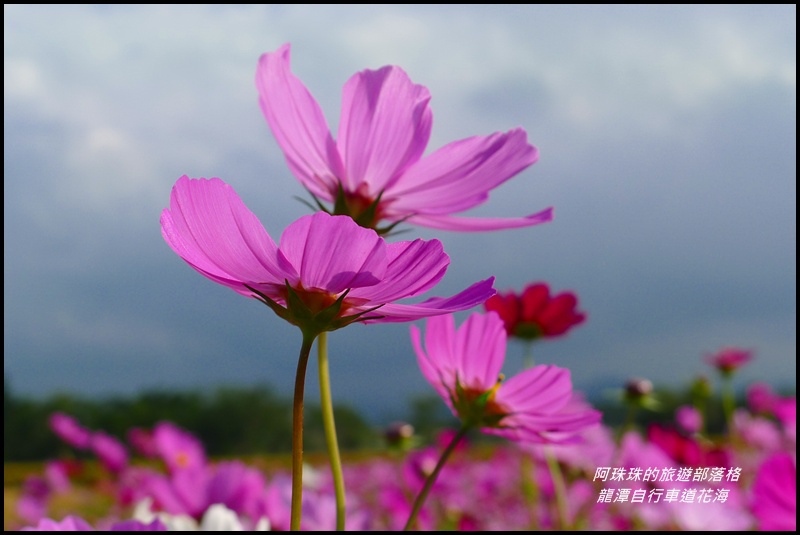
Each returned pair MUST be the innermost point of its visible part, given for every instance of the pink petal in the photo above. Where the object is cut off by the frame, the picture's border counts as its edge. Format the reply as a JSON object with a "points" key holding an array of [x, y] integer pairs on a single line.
{"points": [[209, 226], [473, 224], [471, 297], [298, 124], [333, 253], [385, 126], [541, 389], [480, 349], [436, 363], [413, 268], [440, 337], [461, 174]]}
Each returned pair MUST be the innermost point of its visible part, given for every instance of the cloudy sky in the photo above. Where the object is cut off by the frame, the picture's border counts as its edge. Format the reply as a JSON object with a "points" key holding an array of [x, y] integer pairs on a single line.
{"points": [[667, 147]]}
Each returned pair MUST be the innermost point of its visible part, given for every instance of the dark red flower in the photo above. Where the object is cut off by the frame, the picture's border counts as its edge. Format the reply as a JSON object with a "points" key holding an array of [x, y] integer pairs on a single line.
{"points": [[535, 314]]}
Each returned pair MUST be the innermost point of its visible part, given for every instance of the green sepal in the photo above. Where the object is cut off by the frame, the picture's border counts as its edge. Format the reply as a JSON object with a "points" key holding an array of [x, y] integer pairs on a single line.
{"points": [[282, 312], [367, 217], [312, 324], [528, 331], [389, 228], [319, 206]]}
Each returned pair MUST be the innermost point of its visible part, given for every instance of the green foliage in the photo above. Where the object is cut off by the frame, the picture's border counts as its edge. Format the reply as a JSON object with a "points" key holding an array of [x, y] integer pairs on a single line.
{"points": [[229, 421]]}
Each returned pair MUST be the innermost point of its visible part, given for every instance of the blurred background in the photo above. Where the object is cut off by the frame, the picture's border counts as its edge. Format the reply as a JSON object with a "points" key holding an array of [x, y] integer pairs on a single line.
{"points": [[667, 146]]}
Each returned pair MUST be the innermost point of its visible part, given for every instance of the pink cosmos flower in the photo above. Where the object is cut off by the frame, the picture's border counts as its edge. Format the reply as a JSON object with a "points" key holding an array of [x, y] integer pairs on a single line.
{"points": [[729, 359], [464, 364], [70, 430], [761, 398], [535, 314], [775, 494], [689, 419], [375, 170], [110, 451], [180, 450], [327, 271]]}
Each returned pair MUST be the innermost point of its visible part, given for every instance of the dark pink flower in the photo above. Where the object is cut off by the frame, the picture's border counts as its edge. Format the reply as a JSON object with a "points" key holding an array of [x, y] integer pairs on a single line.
{"points": [[464, 364], [70, 431], [142, 441], [685, 450], [535, 314], [327, 271], [775, 494], [375, 169], [761, 398], [729, 359]]}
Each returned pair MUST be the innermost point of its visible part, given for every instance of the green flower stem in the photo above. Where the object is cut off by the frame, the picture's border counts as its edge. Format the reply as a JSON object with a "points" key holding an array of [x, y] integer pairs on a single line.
{"points": [[423, 494], [330, 429], [297, 433], [529, 487], [728, 402], [527, 358], [630, 422], [560, 488]]}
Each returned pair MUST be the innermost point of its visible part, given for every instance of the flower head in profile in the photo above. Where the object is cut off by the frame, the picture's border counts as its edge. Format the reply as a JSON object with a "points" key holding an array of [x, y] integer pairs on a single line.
{"points": [[464, 364], [327, 271], [68, 429], [729, 359], [374, 170], [535, 314]]}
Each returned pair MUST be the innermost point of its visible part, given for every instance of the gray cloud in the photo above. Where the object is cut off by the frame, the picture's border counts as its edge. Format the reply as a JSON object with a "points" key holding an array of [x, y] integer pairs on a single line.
{"points": [[667, 140]]}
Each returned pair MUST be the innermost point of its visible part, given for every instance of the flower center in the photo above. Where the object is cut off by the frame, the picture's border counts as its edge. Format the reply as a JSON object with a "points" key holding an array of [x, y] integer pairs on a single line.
{"points": [[478, 407], [362, 207], [316, 300]]}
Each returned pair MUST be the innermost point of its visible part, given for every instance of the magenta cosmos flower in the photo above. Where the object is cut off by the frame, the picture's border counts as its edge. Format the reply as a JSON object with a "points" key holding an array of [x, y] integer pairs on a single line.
{"points": [[374, 170], [327, 271], [729, 359], [464, 364], [775, 494]]}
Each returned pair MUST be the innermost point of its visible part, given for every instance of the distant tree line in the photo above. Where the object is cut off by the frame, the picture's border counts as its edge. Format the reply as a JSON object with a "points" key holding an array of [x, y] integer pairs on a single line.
{"points": [[229, 421], [234, 421]]}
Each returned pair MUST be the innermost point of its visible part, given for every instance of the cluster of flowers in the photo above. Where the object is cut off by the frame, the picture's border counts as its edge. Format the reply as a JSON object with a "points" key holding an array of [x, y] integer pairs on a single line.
{"points": [[336, 267], [741, 480]]}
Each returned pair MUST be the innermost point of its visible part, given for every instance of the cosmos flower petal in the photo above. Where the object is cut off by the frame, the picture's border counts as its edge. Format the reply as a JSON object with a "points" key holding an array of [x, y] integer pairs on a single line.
{"points": [[469, 298], [413, 268], [533, 300], [560, 314], [298, 124], [476, 224], [460, 175], [484, 335], [332, 253], [541, 389], [560, 427], [437, 371], [209, 226], [385, 127], [775, 493]]}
